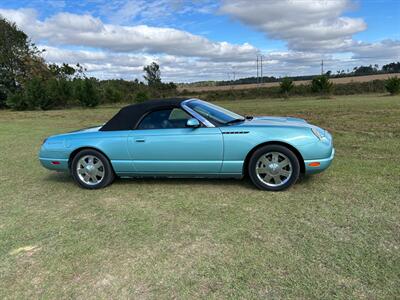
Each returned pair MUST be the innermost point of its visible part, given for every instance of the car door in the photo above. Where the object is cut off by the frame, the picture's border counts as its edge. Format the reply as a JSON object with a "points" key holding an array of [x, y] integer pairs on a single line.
{"points": [[162, 144]]}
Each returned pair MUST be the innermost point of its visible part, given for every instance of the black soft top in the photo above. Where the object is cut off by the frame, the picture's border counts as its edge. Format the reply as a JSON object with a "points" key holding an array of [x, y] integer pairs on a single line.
{"points": [[129, 116]]}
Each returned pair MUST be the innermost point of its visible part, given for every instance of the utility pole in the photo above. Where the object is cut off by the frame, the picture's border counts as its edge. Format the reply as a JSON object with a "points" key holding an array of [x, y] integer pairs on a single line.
{"points": [[261, 58], [257, 68], [322, 67]]}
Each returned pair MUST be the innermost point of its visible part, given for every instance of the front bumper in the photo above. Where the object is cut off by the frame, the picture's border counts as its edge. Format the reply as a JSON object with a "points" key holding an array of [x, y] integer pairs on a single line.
{"points": [[323, 164], [55, 164]]}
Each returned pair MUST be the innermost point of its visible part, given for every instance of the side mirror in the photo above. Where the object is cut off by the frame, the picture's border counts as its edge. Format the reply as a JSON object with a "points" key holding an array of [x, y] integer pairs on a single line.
{"points": [[193, 123]]}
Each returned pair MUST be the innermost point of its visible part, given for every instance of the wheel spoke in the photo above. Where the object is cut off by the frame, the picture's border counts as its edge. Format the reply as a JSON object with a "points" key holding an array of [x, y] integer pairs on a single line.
{"points": [[81, 171], [99, 173], [264, 160], [277, 179], [267, 178], [94, 179], [86, 178], [285, 173], [284, 163], [275, 157], [262, 170]]}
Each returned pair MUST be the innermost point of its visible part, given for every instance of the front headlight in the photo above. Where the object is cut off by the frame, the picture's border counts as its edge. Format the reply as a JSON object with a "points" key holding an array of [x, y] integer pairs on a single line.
{"points": [[317, 133]]}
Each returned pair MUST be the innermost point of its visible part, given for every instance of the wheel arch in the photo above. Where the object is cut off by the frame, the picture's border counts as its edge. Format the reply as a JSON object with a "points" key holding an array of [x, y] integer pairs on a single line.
{"points": [[77, 150], [290, 147]]}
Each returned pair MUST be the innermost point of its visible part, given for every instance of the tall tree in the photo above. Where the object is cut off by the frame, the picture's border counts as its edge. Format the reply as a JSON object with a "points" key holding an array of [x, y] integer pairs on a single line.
{"points": [[152, 74], [19, 59]]}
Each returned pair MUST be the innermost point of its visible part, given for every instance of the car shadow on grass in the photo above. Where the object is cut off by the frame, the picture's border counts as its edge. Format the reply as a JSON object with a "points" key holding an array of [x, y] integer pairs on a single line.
{"points": [[246, 183], [66, 179]]}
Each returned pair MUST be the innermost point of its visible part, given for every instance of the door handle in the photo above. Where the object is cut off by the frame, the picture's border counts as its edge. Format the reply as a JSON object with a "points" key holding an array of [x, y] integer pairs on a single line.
{"points": [[140, 140]]}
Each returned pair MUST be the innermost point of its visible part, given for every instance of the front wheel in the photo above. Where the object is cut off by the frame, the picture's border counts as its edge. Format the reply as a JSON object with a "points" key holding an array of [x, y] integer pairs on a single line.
{"points": [[91, 169], [274, 168]]}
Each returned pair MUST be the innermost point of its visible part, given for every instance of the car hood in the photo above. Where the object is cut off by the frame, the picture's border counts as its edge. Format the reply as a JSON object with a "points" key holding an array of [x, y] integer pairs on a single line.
{"points": [[275, 121], [87, 129]]}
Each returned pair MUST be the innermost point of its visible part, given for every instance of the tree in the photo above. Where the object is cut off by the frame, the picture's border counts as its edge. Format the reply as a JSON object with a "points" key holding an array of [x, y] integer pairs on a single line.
{"points": [[141, 97], [112, 94], [391, 68], [286, 86], [34, 95], [321, 85], [152, 74], [365, 70], [85, 92], [65, 71], [19, 59], [392, 85]]}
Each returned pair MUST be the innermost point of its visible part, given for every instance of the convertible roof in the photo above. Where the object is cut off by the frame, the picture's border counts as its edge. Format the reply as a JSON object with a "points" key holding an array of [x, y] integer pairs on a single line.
{"points": [[130, 116]]}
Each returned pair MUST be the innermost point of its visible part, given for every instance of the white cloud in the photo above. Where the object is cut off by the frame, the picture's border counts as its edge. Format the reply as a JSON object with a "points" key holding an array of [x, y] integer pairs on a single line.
{"points": [[306, 25], [88, 31], [156, 11], [385, 49]]}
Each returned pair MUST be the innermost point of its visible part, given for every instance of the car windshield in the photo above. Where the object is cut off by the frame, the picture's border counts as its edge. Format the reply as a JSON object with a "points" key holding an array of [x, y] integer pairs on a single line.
{"points": [[214, 113]]}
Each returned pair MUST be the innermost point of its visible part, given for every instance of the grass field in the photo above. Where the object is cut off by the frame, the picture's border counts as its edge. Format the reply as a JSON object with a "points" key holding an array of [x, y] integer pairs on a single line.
{"points": [[334, 235]]}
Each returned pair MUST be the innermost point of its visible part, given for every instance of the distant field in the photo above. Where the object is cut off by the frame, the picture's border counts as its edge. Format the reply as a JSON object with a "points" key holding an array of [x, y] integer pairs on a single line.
{"points": [[254, 85], [332, 236]]}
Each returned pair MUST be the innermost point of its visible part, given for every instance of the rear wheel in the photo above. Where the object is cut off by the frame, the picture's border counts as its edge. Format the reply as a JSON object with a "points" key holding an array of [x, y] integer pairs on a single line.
{"points": [[91, 169], [274, 168]]}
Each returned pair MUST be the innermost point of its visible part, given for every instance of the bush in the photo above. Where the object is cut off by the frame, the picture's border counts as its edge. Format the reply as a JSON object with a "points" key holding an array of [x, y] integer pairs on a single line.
{"points": [[17, 101], [35, 95], [392, 85], [112, 95], [321, 85], [141, 97], [53, 95], [3, 96], [85, 92], [286, 86]]}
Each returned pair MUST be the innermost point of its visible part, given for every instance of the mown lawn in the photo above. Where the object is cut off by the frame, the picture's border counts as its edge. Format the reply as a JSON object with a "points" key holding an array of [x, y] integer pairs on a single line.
{"points": [[333, 235]]}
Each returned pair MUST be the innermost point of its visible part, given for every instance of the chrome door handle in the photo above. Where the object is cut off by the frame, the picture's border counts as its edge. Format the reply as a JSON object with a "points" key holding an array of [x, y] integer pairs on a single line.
{"points": [[140, 140]]}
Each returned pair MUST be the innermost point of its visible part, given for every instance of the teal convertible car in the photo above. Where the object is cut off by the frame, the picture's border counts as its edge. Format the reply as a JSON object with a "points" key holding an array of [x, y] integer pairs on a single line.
{"points": [[190, 138]]}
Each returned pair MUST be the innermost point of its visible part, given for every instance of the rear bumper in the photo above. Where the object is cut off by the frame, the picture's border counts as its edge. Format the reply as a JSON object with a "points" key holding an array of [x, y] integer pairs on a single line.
{"points": [[323, 164], [54, 164]]}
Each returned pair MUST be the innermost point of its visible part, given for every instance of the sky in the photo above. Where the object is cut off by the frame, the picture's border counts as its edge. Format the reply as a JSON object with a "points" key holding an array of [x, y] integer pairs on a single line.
{"points": [[210, 39]]}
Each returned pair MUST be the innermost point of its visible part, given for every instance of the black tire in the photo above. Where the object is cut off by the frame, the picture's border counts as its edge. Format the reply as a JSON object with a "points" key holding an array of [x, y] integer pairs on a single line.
{"points": [[108, 176], [288, 181]]}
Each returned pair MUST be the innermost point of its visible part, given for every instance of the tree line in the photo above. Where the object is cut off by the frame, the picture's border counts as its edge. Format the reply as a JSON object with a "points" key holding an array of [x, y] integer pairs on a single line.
{"points": [[390, 68], [320, 86], [28, 82]]}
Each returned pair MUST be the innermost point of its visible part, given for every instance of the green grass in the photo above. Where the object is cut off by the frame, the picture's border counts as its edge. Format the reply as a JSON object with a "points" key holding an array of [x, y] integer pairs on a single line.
{"points": [[334, 235]]}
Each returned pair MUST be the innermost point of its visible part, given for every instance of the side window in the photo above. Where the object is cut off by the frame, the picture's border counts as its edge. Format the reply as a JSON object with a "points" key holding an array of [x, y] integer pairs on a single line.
{"points": [[162, 119]]}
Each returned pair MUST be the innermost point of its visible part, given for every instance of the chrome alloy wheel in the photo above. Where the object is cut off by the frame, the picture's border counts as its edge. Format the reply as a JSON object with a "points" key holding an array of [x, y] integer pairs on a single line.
{"points": [[90, 170], [274, 169]]}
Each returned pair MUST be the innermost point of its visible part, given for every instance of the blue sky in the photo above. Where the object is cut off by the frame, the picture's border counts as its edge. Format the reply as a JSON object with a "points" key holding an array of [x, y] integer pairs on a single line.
{"points": [[209, 40]]}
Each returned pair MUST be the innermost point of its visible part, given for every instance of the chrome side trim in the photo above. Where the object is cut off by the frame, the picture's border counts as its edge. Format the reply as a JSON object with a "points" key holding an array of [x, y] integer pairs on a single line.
{"points": [[195, 114]]}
